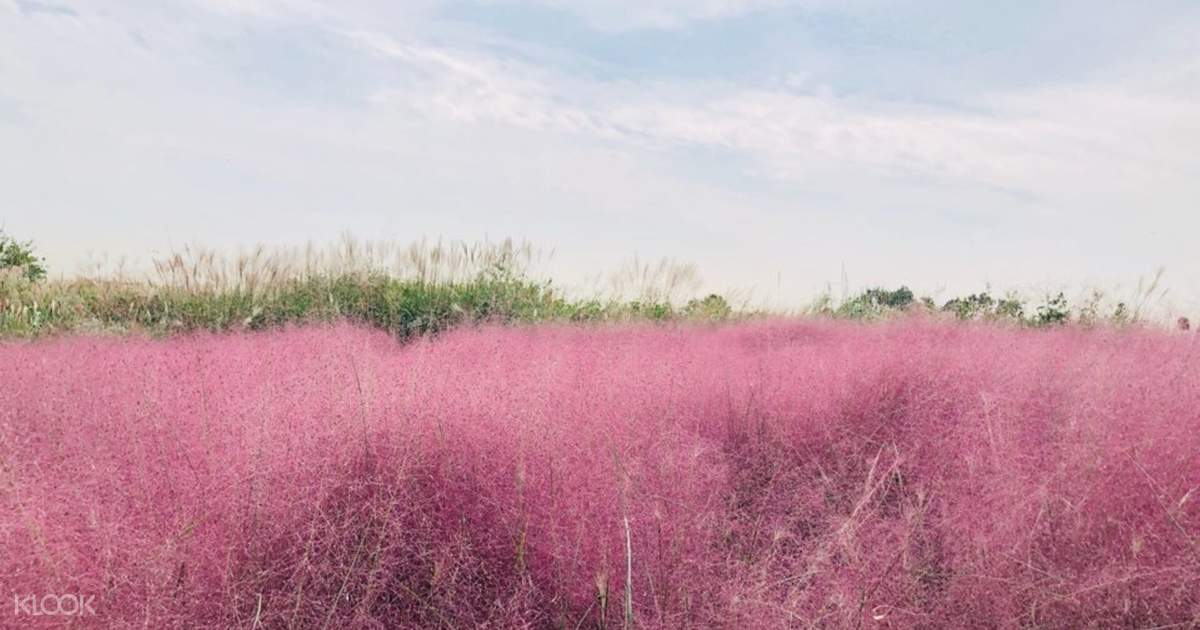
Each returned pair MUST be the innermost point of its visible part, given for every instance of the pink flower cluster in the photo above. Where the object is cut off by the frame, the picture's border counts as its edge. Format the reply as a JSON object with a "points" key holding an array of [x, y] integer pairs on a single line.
{"points": [[767, 475]]}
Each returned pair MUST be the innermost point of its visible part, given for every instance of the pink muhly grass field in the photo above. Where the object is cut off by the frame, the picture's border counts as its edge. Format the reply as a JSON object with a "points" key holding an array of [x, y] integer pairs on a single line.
{"points": [[785, 474]]}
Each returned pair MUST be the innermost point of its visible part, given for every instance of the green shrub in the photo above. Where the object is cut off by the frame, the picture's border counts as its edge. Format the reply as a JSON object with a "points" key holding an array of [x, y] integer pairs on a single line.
{"points": [[19, 255], [1053, 312], [712, 307], [875, 302], [984, 306]]}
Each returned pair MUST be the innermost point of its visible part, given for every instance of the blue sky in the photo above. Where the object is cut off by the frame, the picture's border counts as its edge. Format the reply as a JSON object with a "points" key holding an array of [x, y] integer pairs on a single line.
{"points": [[778, 144]]}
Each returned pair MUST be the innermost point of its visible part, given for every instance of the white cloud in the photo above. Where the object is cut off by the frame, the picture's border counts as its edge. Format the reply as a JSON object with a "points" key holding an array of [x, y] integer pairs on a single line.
{"points": [[659, 13], [461, 139], [1087, 139], [1035, 142], [467, 87], [621, 15]]}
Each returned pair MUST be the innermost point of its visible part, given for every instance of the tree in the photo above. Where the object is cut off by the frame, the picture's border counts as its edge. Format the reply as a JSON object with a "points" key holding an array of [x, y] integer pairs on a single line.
{"points": [[19, 255], [711, 307], [874, 302]]}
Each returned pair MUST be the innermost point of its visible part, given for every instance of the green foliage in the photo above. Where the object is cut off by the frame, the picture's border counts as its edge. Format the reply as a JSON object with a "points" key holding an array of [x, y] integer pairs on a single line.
{"points": [[1010, 307], [1053, 312], [1121, 315], [874, 302], [970, 307], [900, 298], [712, 307], [19, 255], [822, 305], [984, 306], [498, 291], [405, 307], [1089, 314], [654, 311]]}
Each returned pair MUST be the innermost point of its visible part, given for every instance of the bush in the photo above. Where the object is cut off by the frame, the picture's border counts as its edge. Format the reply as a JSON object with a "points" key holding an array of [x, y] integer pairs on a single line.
{"points": [[712, 307], [874, 302], [19, 256], [1053, 312], [984, 306]]}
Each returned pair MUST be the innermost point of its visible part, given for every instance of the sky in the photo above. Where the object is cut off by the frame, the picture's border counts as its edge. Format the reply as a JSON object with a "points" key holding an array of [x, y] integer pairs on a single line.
{"points": [[782, 146]]}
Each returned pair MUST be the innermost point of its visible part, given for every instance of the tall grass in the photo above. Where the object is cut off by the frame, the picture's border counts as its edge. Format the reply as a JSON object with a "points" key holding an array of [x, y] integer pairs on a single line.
{"points": [[775, 474], [408, 290], [427, 287]]}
